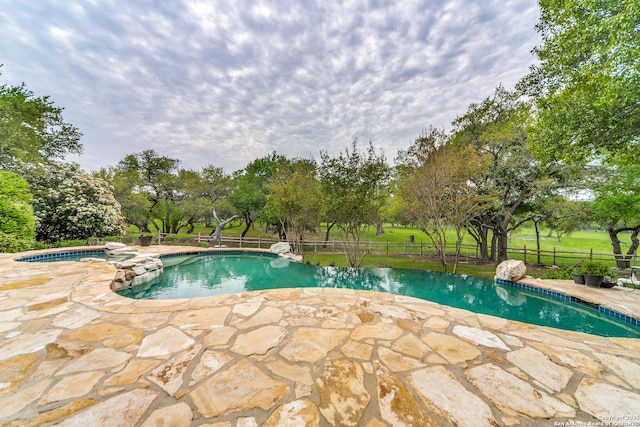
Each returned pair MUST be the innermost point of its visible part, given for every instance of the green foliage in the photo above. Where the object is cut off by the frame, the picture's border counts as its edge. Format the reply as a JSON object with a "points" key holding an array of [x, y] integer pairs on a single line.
{"points": [[586, 83], [295, 199], [355, 186], [496, 128], [32, 129], [249, 193], [69, 204], [437, 187], [616, 205], [10, 243], [594, 268], [563, 273], [146, 183], [17, 220]]}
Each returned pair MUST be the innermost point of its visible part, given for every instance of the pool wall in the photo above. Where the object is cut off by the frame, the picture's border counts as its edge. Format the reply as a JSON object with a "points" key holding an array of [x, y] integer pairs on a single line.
{"points": [[616, 315], [63, 255]]}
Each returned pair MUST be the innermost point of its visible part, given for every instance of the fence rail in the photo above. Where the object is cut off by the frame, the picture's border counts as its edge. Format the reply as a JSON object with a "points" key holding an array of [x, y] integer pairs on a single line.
{"points": [[419, 248]]}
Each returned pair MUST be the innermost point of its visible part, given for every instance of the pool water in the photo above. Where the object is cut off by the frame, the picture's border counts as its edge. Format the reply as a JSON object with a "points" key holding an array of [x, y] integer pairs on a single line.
{"points": [[228, 274]]}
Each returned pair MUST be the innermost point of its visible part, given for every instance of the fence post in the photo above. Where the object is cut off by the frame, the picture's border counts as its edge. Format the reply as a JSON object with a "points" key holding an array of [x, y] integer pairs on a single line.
{"points": [[259, 242], [387, 247], [333, 246], [240, 242], [554, 255], [591, 254], [198, 238], [421, 254], [525, 254], [405, 247]]}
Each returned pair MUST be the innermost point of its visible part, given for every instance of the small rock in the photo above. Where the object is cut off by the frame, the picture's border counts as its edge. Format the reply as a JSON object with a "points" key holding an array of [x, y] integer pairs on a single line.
{"points": [[114, 245]]}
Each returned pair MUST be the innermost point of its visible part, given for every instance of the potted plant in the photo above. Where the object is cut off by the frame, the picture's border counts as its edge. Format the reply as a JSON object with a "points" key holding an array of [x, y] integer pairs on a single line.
{"points": [[594, 273], [578, 274], [145, 240]]}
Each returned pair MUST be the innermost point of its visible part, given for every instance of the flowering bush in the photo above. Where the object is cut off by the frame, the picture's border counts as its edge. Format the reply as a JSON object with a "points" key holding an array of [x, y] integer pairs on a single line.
{"points": [[70, 204]]}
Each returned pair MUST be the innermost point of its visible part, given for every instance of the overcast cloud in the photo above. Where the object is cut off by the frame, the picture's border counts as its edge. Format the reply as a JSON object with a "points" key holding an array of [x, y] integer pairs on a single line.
{"points": [[225, 82]]}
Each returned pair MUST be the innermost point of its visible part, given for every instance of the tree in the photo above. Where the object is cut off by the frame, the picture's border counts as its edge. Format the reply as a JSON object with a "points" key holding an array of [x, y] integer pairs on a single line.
{"points": [[294, 196], [438, 188], [32, 129], [586, 85], [355, 186], [249, 194], [135, 205], [70, 204], [17, 221], [215, 186], [496, 128], [616, 205], [147, 184], [560, 214]]}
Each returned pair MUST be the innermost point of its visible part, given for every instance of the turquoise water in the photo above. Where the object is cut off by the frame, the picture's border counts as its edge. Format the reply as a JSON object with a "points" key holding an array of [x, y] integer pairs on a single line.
{"points": [[217, 275]]}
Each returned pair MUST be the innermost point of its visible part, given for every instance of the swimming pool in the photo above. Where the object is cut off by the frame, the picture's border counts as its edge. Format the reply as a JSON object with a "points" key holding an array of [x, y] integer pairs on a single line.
{"points": [[227, 274]]}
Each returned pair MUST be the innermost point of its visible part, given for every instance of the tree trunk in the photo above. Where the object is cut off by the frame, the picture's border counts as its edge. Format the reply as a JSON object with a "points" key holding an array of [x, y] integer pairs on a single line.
{"points": [[492, 251], [623, 260], [326, 235], [503, 244], [379, 229], [480, 233], [248, 222], [535, 223], [484, 246]]}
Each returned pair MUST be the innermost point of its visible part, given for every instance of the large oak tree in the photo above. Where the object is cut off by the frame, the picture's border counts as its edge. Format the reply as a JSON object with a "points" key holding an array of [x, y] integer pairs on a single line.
{"points": [[586, 85]]}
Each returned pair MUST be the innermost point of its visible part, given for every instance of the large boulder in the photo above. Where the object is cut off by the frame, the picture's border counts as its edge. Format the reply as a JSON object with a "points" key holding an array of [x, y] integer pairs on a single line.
{"points": [[280, 248], [511, 269]]}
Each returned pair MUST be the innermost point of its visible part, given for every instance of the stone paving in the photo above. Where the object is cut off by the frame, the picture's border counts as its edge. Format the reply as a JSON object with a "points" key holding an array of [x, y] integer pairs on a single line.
{"points": [[73, 353]]}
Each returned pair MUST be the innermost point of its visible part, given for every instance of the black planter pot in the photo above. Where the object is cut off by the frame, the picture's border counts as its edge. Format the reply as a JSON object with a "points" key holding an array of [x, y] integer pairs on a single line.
{"points": [[578, 279], [607, 284], [145, 240], [593, 281]]}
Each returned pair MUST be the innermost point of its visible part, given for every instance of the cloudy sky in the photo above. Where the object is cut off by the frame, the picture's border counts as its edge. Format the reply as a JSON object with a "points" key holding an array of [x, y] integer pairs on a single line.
{"points": [[225, 82]]}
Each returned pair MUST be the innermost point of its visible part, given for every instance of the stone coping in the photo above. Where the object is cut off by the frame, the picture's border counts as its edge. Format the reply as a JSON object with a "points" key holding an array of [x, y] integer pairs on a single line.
{"points": [[73, 352]]}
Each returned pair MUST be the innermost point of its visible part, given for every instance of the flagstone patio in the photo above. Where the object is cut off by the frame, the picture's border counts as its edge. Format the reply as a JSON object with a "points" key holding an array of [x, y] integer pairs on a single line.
{"points": [[74, 353]]}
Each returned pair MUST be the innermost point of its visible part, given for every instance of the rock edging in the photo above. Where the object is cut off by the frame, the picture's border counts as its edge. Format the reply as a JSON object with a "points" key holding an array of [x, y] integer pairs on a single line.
{"points": [[141, 268]]}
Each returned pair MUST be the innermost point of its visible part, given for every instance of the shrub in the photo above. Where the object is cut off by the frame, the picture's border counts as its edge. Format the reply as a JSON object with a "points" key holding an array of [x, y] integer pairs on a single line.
{"points": [[70, 204], [563, 273], [594, 268], [17, 220]]}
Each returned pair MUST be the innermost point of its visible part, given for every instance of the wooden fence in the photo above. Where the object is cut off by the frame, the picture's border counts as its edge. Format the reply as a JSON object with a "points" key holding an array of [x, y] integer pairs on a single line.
{"points": [[467, 253]]}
